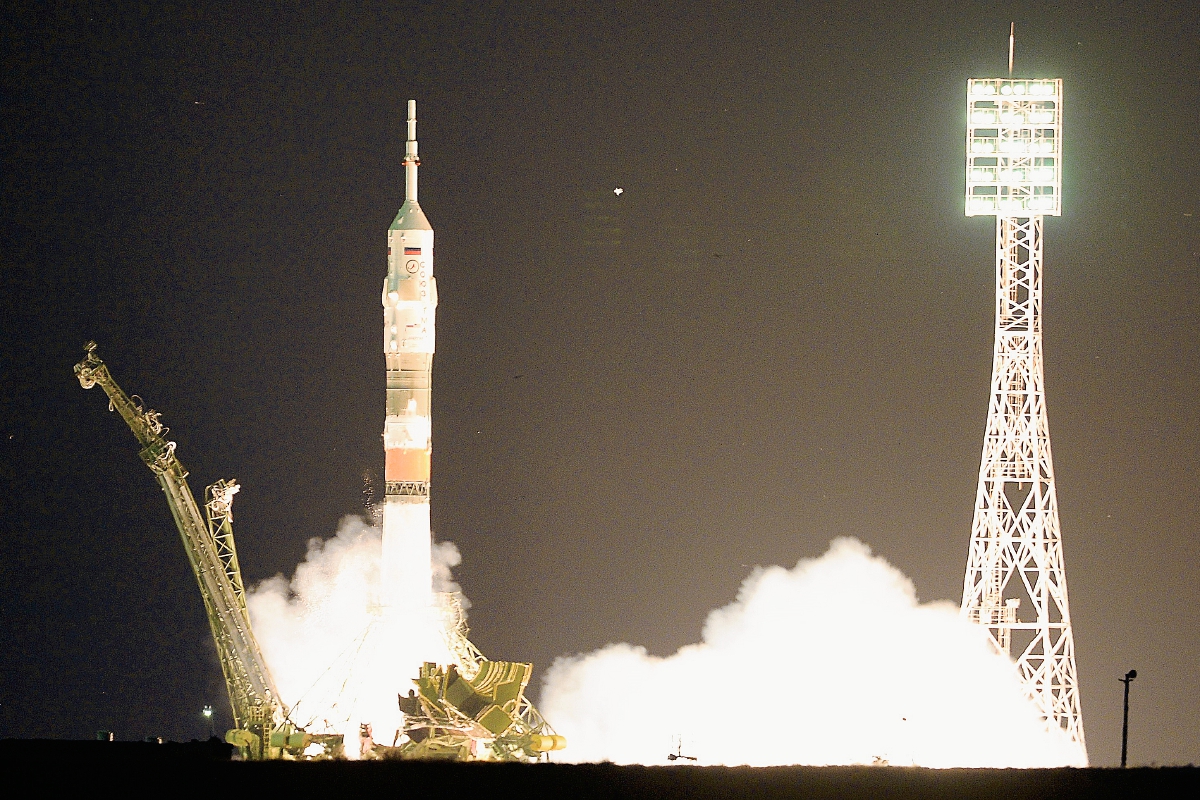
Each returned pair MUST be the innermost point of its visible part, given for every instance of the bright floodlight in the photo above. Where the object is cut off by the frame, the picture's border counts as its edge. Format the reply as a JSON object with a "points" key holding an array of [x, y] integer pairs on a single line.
{"points": [[1014, 147]]}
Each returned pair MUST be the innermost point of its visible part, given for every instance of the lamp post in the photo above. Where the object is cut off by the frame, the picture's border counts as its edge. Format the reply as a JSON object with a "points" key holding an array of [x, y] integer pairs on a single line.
{"points": [[1128, 679], [212, 731]]}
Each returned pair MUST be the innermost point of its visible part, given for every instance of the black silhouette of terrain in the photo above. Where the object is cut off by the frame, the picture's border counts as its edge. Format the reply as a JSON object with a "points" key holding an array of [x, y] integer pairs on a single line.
{"points": [[205, 767]]}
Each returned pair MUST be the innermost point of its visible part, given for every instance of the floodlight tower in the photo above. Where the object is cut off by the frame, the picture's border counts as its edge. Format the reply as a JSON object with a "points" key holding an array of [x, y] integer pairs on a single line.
{"points": [[1016, 584]]}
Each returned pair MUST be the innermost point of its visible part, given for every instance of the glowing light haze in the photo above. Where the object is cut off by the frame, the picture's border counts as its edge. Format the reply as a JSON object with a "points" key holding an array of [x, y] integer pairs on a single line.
{"points": [[341, 647], [831, 662]]}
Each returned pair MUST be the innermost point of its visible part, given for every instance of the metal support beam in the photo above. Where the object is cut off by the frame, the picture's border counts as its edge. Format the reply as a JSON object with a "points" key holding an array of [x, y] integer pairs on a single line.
{"points": [[1016, 583]]}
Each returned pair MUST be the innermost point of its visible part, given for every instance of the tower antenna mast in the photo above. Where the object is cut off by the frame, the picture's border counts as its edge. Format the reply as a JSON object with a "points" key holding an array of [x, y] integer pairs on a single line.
{"points": [[1016, 584]]}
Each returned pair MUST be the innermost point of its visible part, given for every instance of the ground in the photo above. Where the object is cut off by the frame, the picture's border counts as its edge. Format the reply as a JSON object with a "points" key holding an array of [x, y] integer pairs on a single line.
{"points": [[134, 766]]}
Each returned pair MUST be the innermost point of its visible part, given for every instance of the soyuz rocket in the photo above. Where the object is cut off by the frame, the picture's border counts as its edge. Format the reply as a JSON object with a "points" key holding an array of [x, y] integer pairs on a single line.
{"points": [[409, 303]]}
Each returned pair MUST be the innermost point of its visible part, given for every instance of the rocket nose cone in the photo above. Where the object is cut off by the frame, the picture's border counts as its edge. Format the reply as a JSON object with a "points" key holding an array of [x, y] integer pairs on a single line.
{"points": [[410, 218]]}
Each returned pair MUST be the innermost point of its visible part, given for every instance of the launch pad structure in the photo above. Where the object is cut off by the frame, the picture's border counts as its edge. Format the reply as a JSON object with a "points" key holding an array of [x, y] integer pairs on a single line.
{"points": [[1016, 583]]}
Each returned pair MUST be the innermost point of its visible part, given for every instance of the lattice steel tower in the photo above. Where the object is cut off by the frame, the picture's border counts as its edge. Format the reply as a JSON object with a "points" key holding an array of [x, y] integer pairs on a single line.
{"points": [[1016, 584]]}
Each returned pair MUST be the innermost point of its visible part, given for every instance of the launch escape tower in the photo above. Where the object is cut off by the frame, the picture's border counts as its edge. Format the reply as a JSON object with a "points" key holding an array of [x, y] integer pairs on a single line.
{"points": [[1016, 584]]}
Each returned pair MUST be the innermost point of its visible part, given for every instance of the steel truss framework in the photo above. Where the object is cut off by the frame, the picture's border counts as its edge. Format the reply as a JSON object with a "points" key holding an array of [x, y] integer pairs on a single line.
{"points": [[1016, 584], [257, 709], [469, 658]]}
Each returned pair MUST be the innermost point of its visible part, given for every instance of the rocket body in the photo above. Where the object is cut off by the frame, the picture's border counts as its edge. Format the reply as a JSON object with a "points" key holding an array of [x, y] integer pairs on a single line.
{"points": [[409, 304]]}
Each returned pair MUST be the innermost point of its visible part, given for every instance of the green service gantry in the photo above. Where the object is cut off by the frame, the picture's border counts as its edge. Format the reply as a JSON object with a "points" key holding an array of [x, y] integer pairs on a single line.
{"points": [[261, 729]]}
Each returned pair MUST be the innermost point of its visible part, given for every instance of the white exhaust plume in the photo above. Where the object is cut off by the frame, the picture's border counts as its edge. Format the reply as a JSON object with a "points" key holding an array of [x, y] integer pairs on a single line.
{"points": [[831, 662], [341, 647]]}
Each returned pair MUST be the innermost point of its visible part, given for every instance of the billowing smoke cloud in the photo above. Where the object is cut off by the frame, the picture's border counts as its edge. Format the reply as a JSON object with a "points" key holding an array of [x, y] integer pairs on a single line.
{"points": [[338, 656], [831, 662]]}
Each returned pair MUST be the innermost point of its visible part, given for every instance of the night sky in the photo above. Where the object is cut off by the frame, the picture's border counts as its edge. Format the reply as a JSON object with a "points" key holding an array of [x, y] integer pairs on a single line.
{"points": [[779, 333]]}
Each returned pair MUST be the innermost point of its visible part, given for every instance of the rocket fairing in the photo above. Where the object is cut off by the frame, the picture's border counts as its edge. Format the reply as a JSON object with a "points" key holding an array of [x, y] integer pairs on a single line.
{"points": [[409, 303]]}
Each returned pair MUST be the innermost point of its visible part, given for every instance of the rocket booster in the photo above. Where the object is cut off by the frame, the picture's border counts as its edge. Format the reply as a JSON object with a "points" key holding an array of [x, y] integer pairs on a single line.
{"points": [[409, 302]]}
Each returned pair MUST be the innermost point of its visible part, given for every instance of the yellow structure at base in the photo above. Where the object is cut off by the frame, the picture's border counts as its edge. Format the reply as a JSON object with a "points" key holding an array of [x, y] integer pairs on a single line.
{"points": [[485, 717]]}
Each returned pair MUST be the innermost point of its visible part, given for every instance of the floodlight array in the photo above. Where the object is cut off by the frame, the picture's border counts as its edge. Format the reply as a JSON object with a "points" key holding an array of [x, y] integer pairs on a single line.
{"points": [[1014, 147]]}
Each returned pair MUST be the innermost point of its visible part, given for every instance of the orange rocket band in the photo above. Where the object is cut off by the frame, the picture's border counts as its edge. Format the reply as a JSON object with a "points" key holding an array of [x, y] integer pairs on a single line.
{"points": [[406, 465]]}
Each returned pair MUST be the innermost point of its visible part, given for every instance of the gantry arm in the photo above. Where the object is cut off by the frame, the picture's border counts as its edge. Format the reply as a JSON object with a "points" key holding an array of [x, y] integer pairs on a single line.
{"points": [[257, 709]]}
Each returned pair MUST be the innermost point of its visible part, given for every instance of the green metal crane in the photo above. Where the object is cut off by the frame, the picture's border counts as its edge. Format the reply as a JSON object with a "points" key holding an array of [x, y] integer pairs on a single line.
{"points": [[261, 725]]}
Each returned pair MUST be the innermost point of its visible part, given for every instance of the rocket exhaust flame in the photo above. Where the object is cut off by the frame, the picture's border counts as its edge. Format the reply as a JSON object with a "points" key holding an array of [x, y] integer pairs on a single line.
{"points": [[340, 654]]}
